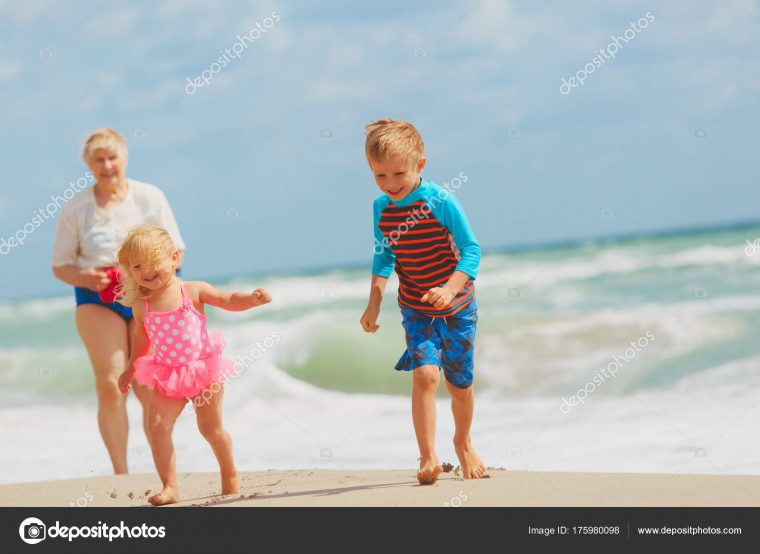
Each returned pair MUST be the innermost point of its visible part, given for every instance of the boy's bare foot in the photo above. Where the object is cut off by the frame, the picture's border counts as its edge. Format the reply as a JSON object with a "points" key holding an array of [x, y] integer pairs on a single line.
{"points": [[429, 471], [472, 465], [230, 483], [168, 495]]}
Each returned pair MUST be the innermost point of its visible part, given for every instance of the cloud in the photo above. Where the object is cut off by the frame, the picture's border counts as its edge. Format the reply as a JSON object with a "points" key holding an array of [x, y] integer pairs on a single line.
{"points": [[172, 8], [154, 96], [106, 24], [24, 13], [496, 25], [9, 69]]}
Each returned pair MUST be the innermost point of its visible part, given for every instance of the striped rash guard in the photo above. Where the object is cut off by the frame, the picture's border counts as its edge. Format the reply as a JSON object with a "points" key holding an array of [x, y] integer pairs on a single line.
{"points": [[427, 237]]}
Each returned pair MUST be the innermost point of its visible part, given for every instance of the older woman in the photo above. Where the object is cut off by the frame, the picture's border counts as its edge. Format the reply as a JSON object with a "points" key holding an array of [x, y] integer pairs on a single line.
{"points": [[89, 232]]}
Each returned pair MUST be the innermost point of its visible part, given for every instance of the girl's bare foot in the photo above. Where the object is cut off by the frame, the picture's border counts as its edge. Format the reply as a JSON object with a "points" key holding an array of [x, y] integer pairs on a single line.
{"points": [[168, 495], [472, 465], [429, 471], [230, 484]]}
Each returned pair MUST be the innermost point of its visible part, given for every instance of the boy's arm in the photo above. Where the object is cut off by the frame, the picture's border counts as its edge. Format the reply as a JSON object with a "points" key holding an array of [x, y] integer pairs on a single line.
{"points": [[464, 237], [453, 218], [440, 297], [231, 301], [382, 266], [140, 346], [384, 258], [376, 292]]}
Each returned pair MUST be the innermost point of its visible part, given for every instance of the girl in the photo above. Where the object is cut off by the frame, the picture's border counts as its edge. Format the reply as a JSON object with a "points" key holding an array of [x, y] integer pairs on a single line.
{"points": [[184, 361]]}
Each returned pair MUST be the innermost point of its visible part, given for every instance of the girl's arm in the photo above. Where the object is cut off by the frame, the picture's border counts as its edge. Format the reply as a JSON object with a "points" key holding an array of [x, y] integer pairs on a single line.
{"points": [[140, 346], [231, 301]]}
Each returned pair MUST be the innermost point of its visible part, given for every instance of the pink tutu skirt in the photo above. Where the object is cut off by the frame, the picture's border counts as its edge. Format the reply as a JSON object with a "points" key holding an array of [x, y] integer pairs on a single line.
{"points": [[186, 380]]}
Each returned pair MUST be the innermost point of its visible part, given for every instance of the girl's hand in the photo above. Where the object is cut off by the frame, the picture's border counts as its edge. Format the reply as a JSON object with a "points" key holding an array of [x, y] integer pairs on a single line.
{"points": [[125, 380], [369, 320], [260, 297]]}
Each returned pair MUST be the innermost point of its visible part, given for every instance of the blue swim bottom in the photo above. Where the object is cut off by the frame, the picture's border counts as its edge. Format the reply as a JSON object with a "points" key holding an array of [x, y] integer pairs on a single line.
{"points": [[448, 343], [89, 296]]}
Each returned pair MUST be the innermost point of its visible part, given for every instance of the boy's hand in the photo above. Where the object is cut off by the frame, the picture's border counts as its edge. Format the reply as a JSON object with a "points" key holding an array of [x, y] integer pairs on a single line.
{"points": [[369, 320], [125, 380], [260, 297], [439, 297]]}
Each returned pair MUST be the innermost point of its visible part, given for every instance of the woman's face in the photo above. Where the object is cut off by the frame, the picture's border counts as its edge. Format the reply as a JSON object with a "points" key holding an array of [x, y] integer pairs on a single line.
{"points": [[107, 166]]}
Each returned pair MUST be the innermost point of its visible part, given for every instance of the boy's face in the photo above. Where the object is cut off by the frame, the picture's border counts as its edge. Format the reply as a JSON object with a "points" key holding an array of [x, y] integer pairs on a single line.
{"points": [[397, 175]]}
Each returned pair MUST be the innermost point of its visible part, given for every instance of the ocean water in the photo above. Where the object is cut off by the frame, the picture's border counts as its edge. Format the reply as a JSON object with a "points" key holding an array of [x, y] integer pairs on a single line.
{"points": [[637, 355]]}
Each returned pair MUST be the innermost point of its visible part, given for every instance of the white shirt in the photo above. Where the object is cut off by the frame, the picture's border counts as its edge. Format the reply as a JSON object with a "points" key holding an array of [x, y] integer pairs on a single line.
{"points": [[90, 236]]}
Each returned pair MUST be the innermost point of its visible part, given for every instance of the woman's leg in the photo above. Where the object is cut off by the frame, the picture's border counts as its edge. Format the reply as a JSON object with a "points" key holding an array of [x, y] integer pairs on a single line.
{"points": [[162, 414], [208, 414], [105, 336]]}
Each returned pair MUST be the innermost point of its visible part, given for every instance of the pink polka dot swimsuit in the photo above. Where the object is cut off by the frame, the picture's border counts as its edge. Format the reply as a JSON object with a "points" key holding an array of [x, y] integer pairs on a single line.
{"points": [[184, 360]]}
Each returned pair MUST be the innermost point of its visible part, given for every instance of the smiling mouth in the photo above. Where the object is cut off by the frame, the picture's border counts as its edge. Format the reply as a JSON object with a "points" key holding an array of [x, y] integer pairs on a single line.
{"points": [[394, 192], [151, 279]]}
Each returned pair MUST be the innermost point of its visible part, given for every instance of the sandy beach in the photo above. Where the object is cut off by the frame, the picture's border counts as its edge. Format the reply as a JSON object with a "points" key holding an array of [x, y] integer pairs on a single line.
{"points": [[399, 488]]}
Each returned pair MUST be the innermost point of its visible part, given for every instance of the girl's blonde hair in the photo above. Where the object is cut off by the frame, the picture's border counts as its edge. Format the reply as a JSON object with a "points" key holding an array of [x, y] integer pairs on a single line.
{"points": [[389, 137], [150, 246], [106, 138]]}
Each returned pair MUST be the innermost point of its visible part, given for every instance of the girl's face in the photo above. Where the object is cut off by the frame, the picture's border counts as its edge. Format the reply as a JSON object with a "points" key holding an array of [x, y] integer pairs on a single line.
{"points": [[155, 278]]}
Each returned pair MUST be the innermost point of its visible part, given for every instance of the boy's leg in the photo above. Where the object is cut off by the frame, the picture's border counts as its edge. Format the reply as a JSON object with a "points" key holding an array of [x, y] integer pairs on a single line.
{"points": [[457, 359], [208, 414], [425, 384], [163, 412], [462, 406]]}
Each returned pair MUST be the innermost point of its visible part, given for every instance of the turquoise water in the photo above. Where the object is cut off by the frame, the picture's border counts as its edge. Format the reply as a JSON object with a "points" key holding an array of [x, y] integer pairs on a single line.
{"points": [[550, 319]]}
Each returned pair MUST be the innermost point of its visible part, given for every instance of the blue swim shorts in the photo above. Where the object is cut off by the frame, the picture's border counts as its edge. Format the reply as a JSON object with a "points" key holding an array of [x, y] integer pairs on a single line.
{"points": [[448, 343], [89, 296]]}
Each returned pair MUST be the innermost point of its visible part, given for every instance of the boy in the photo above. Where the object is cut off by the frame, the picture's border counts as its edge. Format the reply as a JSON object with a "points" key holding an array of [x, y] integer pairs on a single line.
{"points": [[421, 229]]}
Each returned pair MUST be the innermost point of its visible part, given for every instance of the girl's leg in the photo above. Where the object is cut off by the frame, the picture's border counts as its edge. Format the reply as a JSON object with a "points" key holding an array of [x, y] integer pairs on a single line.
{"points": [[162, 414], [106, 337], [142, 392], [208, 413], [425, 384]]}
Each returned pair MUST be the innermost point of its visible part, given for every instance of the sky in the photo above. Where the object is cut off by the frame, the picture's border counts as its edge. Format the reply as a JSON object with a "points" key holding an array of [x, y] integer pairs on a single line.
{"points": [[264, 164]]}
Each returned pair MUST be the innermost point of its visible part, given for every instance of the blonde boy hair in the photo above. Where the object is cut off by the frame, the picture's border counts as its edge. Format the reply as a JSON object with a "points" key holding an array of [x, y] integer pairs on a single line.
{"points": [[391, 137], [106, 138], [147, 245]]}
